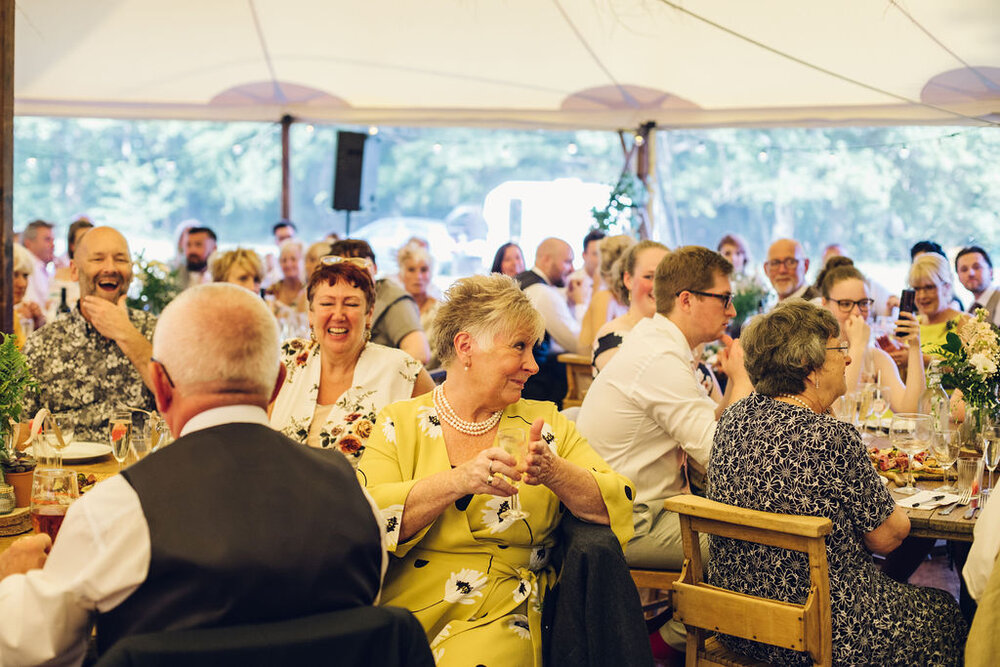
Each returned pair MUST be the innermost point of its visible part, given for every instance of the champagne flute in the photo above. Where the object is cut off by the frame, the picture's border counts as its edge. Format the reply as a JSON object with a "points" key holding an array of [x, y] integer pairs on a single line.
{"points": [[58, 432], [909, 432], [865, 404], [53, 490], [120, 435], [945, 449], [513, 441], [991, 449]]}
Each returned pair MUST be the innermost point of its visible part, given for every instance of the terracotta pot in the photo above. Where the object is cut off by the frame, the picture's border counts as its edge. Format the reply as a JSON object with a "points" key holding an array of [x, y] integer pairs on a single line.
{"points": [[21, 481]]}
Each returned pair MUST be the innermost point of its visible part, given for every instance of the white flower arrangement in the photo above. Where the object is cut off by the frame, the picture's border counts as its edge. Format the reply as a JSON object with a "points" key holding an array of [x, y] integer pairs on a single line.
{"points": [[970, 361]]}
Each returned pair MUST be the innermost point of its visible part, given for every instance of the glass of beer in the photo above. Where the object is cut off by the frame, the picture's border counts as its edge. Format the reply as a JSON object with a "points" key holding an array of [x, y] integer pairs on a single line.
{"points": [[53, 490]]}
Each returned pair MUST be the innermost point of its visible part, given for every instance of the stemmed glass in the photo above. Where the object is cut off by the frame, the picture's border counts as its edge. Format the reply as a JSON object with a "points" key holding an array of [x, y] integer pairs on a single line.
{"points": [[58, 431], [946, 446], [53, 490], [867, 395], [880, 403], [120, 435], [910, 432], [156, 431], [991, 448], [513, 441]]}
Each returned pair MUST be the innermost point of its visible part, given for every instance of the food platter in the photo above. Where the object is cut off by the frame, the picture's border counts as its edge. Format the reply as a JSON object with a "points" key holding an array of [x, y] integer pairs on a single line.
{"points": [[892, 463]]}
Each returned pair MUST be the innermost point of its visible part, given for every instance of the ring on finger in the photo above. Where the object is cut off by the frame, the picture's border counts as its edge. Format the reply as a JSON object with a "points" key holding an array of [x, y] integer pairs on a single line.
{"points": [[489, 480]]}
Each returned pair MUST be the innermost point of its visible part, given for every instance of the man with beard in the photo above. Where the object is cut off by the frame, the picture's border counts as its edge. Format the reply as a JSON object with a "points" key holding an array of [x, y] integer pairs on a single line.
{"points": [[786, 268], [97, 356], [975, 270], [553, 265], [198, 247]]}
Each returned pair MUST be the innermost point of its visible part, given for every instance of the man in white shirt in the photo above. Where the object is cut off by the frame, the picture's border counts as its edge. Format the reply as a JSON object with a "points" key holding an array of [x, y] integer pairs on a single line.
{"points": [[587, 276], [646, 412], [786, 268], [553, 265], [975, 270], [192, 535], [39, 239]]}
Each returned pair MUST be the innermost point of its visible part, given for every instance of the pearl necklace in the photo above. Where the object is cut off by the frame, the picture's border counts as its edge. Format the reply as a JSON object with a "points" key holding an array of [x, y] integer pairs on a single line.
{"points": [[451, 418], [797, 400]]}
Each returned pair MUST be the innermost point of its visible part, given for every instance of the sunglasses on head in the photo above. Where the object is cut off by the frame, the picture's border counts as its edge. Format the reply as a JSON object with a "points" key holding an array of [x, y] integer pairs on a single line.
{"points": [[361, 262]]}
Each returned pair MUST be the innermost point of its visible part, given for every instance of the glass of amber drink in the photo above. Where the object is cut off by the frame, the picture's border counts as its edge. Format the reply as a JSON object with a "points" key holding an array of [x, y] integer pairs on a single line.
{"points": [[53, 490]]}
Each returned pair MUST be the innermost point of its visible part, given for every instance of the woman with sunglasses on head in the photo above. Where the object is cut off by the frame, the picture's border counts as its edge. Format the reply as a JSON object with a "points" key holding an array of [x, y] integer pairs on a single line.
{"points": [[846, 295], [338, 381]]}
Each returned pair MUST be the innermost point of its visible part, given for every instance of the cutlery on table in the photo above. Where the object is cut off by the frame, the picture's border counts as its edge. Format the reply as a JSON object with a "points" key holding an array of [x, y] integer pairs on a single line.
{"points": [[933, 499], [972, 509], [964, 500]]}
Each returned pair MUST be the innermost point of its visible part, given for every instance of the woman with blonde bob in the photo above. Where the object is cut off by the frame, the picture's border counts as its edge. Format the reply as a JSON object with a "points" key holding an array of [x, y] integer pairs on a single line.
{"points": [[475, 577], [931, 278], [240, 267]]}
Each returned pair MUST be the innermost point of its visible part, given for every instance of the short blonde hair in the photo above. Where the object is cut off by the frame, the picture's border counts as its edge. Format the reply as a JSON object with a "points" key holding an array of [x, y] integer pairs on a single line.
{"points": [[223, 262], [485, 307], [611, 248], [933, 267], [22, 260], [626, 264], [413, 252]]}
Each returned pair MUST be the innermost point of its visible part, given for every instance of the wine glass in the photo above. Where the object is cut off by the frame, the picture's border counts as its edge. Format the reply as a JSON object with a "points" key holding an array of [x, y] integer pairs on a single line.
{"points": [[910, 432], [120, 435], [880, 403], [513, 440], [58, 432], [157, 432], [991, 449], [53, 490], [867, 395], [946, 446]]}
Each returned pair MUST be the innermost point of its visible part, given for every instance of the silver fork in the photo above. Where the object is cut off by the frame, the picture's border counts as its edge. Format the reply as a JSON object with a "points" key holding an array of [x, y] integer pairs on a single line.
{"points": [[963, 500]]}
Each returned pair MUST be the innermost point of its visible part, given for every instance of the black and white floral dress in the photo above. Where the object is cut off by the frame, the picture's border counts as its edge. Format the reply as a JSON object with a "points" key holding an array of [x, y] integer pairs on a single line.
{"points": [[775, 457]]}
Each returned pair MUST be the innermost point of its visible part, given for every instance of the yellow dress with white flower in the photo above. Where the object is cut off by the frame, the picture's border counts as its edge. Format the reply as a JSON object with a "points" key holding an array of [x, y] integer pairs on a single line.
{"points": [[474, 580]]}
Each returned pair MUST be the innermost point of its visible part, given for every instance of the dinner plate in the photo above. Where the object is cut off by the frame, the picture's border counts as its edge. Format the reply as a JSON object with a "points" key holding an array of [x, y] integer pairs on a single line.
{"points": [[82, 451]]}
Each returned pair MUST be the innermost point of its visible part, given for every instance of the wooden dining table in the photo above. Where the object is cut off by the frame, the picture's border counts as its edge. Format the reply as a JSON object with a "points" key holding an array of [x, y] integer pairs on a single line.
{"points": [[930, 522], [102, 468]]}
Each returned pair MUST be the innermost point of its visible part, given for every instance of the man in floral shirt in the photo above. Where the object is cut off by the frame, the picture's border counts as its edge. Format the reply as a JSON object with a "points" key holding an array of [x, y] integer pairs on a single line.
{"points": [[96, 357]]}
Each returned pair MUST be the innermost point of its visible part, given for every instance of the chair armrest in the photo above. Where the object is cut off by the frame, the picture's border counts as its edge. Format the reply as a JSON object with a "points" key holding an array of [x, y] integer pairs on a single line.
{"points": [[703, 508]]}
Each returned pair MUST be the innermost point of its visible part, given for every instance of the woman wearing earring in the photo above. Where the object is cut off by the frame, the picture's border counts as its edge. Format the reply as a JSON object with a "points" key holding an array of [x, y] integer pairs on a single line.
{"points": [[474, 575], [337, 382]]}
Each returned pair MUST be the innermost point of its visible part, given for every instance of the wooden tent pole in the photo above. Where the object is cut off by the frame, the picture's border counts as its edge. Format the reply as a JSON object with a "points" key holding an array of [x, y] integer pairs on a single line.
{"points": [[7, 165], [286, 168]]}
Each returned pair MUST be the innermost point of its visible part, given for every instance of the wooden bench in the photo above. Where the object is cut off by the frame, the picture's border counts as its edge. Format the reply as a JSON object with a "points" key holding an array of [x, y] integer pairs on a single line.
{"points": [[705, 609]]}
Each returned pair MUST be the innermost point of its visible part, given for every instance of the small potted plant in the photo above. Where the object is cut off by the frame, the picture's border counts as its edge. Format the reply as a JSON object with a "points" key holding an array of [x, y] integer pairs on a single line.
{"points": [[15, 382]]}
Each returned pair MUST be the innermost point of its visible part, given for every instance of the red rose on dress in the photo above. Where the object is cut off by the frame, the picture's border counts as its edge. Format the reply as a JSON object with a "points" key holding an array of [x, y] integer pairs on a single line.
{"points": [[350, 444]]}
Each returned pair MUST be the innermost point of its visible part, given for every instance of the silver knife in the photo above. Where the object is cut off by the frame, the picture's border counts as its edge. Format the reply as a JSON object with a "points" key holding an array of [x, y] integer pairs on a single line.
{"points": [[972, 510], [929, 500]]}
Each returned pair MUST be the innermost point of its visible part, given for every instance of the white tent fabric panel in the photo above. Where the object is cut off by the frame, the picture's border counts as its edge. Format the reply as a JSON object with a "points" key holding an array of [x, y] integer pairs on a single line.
{"points": [[533, 63]]}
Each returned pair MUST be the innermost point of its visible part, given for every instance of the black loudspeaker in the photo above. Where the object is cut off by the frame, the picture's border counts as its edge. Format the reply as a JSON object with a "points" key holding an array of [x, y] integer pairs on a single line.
{"points": [[347, 171]]}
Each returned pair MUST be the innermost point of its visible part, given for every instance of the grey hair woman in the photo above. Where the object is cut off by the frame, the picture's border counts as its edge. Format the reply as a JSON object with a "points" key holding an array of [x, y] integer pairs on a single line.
{"points": [[438, 471], [778, 451]]}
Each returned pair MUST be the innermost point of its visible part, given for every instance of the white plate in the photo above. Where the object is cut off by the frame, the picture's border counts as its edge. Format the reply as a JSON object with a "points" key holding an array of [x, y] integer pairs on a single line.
{"points": [[82, 451]]}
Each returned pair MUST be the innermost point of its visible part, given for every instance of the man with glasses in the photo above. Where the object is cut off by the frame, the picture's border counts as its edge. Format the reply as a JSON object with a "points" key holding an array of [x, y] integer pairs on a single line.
{"points": [[647, 414], [786, 268]]}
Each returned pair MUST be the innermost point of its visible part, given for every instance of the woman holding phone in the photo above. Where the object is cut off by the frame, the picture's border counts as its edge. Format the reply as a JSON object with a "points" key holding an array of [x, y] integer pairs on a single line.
{"points": [[846, 295]]}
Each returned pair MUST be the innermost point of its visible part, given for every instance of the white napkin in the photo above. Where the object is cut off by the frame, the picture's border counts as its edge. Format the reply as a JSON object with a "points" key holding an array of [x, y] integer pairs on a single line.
{"points": [[925, 500]]}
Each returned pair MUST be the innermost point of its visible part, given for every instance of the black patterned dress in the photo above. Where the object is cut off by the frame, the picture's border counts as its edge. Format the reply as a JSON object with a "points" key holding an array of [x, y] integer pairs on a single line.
{"points": [[775, 457]]}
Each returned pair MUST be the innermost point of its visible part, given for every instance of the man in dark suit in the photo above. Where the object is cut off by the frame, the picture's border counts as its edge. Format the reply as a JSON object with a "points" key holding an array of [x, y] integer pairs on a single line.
{"points": [[233, 523]]}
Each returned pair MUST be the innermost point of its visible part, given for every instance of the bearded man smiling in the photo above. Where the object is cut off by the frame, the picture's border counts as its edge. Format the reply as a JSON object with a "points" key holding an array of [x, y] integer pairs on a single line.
{"points": [[88, 361]]}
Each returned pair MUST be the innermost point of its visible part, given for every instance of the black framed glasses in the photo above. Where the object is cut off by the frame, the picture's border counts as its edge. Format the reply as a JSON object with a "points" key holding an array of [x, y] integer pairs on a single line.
{"points": [[846, 305], [170, 381], [726, 299], [843, 348], [790, 263]]}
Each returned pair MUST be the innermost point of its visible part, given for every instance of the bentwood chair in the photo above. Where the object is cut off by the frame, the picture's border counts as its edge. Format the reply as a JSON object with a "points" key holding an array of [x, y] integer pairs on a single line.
{"points": [[362, 636], [708, 609]]}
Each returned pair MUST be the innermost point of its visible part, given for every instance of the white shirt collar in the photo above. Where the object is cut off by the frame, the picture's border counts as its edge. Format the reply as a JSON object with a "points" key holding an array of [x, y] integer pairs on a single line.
{"points": [[228, 414], [799, 292]]}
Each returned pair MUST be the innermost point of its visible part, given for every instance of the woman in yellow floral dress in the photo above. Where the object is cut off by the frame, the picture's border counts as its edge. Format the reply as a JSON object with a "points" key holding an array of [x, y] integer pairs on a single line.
{"points": [[474, 577]]}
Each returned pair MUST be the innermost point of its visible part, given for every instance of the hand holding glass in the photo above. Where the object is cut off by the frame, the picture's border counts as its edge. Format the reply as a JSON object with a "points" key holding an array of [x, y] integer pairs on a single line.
{"points": [[53, 490], [513, 441]]}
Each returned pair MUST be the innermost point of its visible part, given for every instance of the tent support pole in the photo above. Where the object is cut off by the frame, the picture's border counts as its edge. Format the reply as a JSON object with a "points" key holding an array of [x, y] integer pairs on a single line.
{"points": [[286, 169], [7, 165]]}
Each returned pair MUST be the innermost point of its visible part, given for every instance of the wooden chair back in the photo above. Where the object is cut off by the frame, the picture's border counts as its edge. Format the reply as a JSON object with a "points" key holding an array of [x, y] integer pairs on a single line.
{"points": [[704, 608], [579, 376]]}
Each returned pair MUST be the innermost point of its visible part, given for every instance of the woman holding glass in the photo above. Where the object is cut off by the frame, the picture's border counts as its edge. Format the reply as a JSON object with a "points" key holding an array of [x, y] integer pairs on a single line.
{"points": [[846, 295], [336, 383], [778, 450], [475, 577]]}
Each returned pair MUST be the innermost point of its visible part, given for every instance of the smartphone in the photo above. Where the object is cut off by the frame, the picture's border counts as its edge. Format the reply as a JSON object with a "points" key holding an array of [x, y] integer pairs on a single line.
{"points": [[907, 305]]}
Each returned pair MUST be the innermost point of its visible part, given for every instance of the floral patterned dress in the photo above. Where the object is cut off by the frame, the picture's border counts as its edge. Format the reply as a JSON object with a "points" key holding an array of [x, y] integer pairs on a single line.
{"points": [[776, 457], [381, 376], [474, 580]]}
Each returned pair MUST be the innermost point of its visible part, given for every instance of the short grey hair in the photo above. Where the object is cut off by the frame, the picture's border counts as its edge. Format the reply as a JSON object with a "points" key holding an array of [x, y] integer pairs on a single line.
{"points": [[414, 252], [782, 347], [485, 307], [23, 262], [219, 334]]}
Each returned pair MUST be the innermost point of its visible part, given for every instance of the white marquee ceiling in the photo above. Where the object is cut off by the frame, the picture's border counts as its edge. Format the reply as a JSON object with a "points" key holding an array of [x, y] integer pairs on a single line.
{"points": [[521, 63]]}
